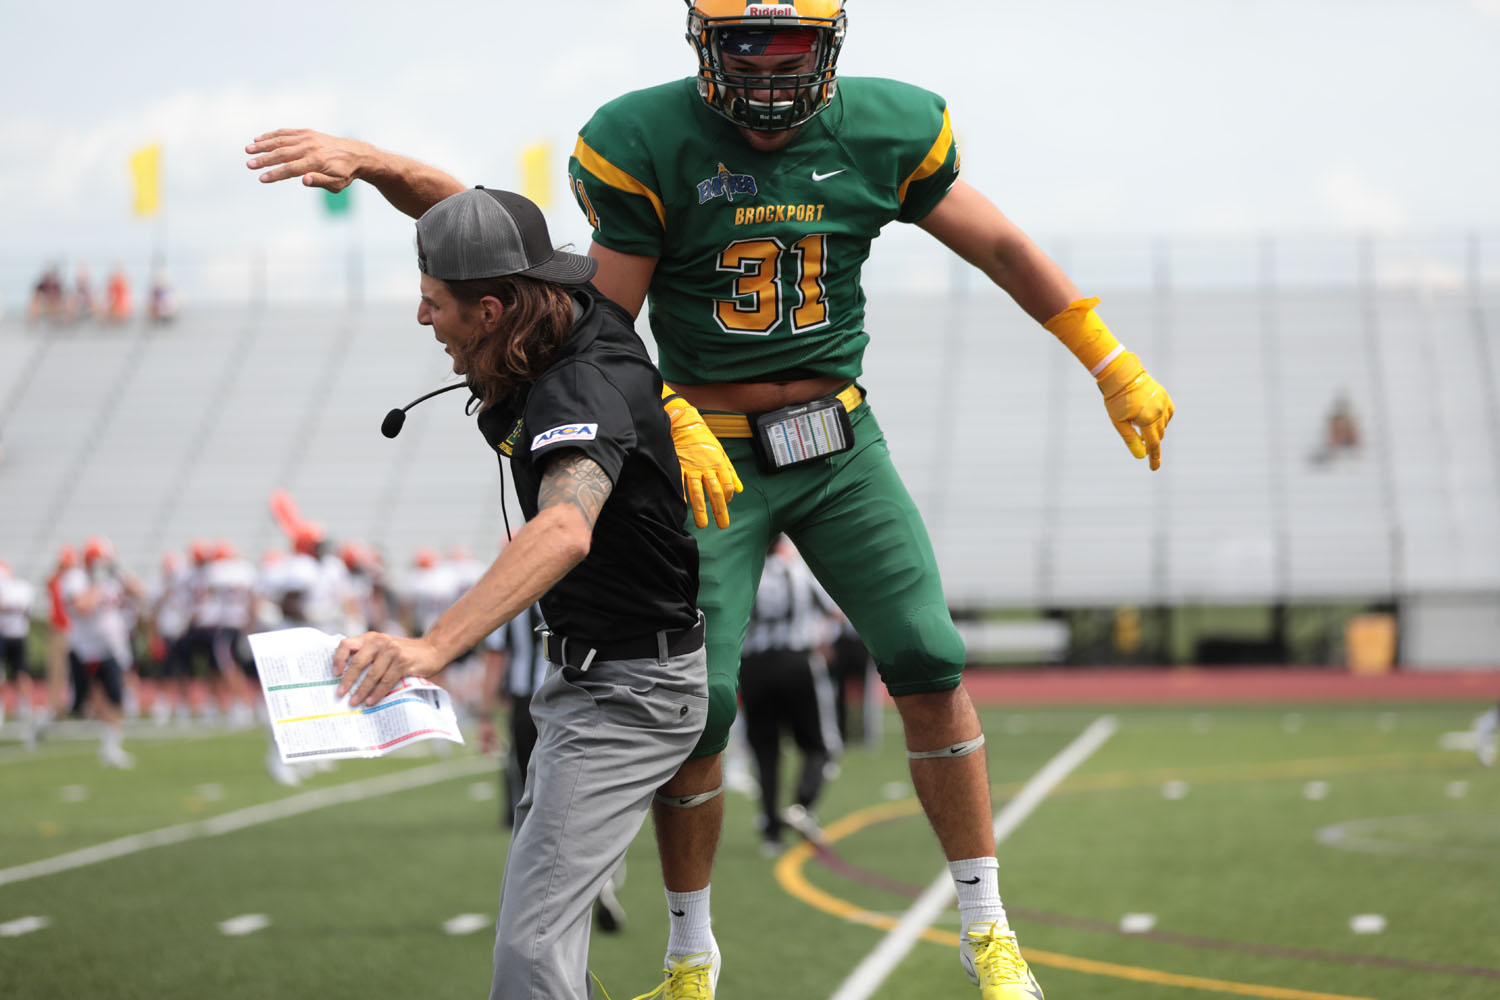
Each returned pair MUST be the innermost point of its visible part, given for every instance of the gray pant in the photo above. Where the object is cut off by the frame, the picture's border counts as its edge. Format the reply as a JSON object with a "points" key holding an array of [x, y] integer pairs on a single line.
{"points": [[607, 739]]}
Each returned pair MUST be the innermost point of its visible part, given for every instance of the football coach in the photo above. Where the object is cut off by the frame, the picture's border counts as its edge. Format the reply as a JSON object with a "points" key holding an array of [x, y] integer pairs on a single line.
{"points": [[568, 393]]}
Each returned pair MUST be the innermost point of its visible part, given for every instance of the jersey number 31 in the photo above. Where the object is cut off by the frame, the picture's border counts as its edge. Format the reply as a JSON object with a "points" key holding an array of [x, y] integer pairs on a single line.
{"points": [[755, 306]]}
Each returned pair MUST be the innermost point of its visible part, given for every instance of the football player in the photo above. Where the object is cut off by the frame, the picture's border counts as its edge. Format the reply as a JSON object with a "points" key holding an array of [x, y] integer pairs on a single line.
{"points": [[741, 204]]}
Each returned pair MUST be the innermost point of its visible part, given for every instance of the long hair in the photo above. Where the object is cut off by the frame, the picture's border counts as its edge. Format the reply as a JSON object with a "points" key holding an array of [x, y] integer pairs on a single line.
{"points": [[537, 319]]}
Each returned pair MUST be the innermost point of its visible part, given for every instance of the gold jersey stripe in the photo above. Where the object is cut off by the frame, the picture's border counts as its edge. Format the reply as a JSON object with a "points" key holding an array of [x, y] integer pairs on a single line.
{"points": [[936, 157], [617, 178]]}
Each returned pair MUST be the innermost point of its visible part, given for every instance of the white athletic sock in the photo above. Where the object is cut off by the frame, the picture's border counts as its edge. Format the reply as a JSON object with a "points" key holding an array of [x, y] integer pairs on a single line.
{"points": [[978, 885], [687, 913]]}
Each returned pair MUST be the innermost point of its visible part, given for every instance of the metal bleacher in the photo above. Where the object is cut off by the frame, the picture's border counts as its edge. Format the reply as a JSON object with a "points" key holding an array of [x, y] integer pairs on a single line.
{"points": [[154, 436]]}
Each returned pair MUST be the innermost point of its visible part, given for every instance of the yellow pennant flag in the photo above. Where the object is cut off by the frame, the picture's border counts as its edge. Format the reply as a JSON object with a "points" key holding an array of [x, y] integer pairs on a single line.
{"points": [[145, 167], [536, 173]]}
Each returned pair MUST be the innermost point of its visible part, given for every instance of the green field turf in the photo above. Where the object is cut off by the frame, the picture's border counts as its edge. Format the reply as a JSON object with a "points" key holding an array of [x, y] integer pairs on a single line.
{"points": [[1246, 900]]}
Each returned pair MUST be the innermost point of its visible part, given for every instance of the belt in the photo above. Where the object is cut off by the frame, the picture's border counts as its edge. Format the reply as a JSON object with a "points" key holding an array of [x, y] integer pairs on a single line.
{"points": [[737, 425], [667, 643]]}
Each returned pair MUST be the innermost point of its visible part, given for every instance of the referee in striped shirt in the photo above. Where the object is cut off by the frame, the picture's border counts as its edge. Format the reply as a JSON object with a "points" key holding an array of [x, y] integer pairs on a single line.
{"points": [[785, 685]]}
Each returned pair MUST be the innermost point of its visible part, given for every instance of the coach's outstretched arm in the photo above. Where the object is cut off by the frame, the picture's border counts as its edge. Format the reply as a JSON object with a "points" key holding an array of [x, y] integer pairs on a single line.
{"points": [[971, 226], [327, 161], [573, 492]]}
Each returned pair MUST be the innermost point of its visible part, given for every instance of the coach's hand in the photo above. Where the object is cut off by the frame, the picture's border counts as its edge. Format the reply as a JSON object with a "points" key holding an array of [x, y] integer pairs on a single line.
{"points": [[1138, 405], [382, 660], [323, 161], [708, 476]]}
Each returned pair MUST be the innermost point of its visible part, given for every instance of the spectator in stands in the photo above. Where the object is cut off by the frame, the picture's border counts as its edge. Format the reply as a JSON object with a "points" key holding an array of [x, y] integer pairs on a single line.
{"points": [[163, 297], [1341, 435], [784, 684], [83, 305], [117, 302], [16, 597], [48, 302]]}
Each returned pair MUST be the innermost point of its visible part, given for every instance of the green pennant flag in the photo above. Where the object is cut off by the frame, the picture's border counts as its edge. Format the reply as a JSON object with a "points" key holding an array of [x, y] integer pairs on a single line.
{"points": [[337, 202]]}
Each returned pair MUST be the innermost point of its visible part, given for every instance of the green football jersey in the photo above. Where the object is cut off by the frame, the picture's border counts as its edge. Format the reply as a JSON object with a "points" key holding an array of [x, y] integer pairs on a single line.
{"points": [[759, 254]]}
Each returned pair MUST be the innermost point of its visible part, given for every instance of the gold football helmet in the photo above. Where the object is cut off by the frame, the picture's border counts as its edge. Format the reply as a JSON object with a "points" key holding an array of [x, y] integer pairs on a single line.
{"points": [[720, 28]]}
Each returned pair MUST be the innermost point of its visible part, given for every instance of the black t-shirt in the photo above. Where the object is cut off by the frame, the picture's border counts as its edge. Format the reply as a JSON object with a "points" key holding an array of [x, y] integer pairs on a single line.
{"points": [[602, 397]]}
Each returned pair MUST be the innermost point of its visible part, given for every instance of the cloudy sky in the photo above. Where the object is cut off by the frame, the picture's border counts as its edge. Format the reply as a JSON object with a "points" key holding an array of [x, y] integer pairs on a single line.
{"points": [[1086, 120]]}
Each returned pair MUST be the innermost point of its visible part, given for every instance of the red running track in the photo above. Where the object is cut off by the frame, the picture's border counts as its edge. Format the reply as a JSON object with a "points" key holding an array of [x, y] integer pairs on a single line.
{"points": [[1190, 685]]}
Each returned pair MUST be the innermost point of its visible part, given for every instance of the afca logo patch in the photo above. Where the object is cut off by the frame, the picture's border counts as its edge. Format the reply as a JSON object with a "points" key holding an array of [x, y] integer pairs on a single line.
{"points": [[567, 432]]}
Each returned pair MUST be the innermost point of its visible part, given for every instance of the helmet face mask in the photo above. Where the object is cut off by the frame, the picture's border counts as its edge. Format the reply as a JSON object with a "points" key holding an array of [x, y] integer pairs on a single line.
{"points": [[795, 95]]}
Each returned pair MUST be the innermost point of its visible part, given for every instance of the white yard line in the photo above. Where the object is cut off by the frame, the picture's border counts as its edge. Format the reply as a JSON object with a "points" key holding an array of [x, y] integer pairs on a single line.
{"points": [[867, 977], [294, 805]]}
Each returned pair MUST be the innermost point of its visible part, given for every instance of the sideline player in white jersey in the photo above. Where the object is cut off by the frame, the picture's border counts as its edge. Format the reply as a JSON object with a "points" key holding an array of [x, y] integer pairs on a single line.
{"points": [[171, 604], [230, 582], [99, 641], [330, 605], [428, 590], [16, 599]]}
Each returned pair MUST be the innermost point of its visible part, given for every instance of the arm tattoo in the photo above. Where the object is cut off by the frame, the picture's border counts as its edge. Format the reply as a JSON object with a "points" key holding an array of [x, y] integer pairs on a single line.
{"points": [[576, 479]]}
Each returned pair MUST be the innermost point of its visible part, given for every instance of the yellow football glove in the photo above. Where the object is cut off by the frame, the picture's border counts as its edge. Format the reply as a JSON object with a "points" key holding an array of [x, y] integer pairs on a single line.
{"points": [[1137, 403], [708, 477]]}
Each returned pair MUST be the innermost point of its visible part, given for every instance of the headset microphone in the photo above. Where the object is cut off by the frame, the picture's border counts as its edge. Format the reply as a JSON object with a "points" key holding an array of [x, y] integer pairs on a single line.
{"points": [[391, 425]]}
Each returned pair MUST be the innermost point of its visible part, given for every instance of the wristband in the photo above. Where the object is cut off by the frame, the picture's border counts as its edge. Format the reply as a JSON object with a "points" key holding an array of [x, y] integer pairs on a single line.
{"points": [[1082, 331]]}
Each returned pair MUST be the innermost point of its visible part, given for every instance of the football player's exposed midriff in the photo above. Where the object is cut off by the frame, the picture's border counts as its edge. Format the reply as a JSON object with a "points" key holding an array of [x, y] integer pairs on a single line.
{"points": [[758, 397]]}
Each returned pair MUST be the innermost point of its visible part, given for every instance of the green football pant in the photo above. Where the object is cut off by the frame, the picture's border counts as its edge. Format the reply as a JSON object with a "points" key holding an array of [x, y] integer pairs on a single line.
{"points": [[855, 524]]}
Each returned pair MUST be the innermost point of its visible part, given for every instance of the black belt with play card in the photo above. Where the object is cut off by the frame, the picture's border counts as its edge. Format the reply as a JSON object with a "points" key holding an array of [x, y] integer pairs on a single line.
{"points": [[794, 435], [667, 644]]}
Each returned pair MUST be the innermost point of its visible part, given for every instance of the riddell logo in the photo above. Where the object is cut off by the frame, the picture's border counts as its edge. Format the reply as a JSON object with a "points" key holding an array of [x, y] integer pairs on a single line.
{"points": [[771, 10]]}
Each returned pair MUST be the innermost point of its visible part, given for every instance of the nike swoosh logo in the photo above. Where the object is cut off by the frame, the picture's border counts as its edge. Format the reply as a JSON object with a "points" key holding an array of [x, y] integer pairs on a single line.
{"points": [[679, 913], [823, 177], [683, 802], [970, 881], [955, 749], [1035, 990]]}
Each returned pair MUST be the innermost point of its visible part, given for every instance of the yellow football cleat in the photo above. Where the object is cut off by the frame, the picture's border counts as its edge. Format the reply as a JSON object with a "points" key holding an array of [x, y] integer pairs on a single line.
{"points": [[993, 961], [689, 977]]}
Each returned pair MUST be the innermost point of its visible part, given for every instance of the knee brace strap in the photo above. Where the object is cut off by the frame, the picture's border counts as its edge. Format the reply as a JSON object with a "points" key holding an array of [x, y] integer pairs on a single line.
{"points": [[956, 750], [688, 801]]}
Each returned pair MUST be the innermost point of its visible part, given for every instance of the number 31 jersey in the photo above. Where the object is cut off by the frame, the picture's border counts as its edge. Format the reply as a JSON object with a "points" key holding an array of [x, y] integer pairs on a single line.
{"points": [[759, 254]]}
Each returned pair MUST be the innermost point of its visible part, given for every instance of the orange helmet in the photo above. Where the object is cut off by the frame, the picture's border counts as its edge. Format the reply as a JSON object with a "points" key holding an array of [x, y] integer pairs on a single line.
{"points": [[96, 549], [426, 557], [720, 28], [357, 555], [5, 573], [67, 557], [224, 550], [201, 550], [307, 539]]}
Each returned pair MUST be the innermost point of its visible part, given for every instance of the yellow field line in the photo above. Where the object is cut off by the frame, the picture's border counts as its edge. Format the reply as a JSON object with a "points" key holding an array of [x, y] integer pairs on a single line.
{"points": [[790, 875]]}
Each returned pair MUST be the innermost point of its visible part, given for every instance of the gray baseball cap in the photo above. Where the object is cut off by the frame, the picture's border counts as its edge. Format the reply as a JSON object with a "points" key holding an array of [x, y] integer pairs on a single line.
{"points": [[484, 233]]}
